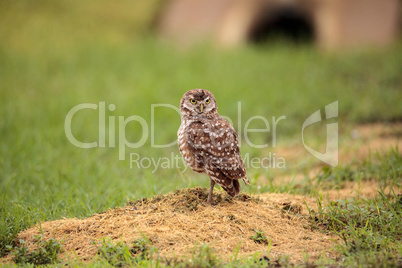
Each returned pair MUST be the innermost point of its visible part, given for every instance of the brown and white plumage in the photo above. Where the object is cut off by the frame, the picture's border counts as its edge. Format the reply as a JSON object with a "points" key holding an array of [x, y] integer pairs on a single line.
{"points": [[208, 143]]}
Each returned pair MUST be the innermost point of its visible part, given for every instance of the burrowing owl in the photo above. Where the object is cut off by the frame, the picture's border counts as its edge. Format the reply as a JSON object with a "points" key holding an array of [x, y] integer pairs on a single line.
{"points": [[208, 143]]}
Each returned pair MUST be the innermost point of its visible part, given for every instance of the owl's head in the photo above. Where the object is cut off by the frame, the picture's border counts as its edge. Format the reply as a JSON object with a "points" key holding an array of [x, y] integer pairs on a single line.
{"points": [[198, 102]]}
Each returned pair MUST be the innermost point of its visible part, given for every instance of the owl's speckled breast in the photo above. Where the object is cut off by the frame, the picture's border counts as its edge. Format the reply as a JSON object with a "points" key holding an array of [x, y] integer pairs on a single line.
{"points": [[195, 162]]}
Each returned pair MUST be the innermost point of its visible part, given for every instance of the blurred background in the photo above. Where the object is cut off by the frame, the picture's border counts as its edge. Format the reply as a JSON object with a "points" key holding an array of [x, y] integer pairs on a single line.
{"points": [[278, 58]]}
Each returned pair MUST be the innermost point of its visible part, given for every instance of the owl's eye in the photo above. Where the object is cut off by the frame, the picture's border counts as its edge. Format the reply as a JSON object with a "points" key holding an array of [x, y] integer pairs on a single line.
{"points": [[207, 101], [193, 101]]}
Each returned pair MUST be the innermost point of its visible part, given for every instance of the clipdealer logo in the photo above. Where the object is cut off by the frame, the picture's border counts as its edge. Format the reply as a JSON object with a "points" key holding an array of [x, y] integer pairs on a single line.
{"points": [[115, 128], [330, 156]]}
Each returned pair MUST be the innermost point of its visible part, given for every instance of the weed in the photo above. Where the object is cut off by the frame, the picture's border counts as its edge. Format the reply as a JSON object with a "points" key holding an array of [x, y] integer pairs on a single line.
{"points": [[259, 237], [45, 253], [120, 254], [203, 256]]}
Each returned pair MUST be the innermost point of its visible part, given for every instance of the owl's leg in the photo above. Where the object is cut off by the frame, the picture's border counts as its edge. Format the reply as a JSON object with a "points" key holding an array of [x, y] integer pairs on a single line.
{"points": [[211, 189]]}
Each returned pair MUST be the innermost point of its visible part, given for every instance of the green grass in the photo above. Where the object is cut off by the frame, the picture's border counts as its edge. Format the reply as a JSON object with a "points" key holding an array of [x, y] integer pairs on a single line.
{"points": [[45, 253], [54, 56], [370, 229], [120, 254], [259, 237]]}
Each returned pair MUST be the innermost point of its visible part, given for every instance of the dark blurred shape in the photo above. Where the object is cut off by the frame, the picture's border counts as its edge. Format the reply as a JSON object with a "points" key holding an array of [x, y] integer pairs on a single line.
{"points": [[287, 21], [329, 23]]}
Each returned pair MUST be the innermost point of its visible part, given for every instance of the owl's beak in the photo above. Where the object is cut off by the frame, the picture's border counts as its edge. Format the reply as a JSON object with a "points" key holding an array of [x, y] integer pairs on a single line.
{"points": [[201, 107]]}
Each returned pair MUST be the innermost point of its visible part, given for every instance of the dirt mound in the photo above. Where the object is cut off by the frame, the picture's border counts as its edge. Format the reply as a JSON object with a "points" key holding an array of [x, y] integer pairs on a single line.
{"points": [[178, 221]]}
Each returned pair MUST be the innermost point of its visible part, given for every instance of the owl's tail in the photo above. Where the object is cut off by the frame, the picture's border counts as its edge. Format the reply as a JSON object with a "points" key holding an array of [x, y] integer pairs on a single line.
{"points": [[232, 187]]}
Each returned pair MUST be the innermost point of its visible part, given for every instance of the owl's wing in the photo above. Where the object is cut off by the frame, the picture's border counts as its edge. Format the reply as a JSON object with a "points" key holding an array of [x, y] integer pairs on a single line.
{"points": [[217, 143]]}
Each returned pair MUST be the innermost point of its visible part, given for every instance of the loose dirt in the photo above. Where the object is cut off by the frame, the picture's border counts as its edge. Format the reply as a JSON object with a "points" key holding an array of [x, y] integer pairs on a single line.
{"points": [[178, 221]]}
